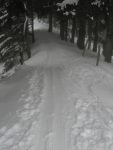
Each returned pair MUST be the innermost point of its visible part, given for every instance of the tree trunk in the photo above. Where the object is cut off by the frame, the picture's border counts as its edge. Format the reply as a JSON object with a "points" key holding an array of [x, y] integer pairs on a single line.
{"points": [[95, 36], [21, 57], [33, 35], [89, 34], [32, 24], [108, 46], [66, 28], [26, 42], [81, 34], [62, 29], [73, 29], [50, 21]]}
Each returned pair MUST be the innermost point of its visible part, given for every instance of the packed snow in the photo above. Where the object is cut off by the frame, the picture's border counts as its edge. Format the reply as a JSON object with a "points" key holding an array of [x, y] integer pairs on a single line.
{"points": [[58, 100]]}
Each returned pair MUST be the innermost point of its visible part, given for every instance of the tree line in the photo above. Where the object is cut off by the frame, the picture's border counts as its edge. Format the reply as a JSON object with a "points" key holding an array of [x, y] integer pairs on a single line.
{"points": [[91, 22], [16, 17]]}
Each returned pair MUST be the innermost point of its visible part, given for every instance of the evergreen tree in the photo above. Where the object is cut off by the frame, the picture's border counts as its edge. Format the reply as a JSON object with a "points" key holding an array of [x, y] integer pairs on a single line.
{"points": [[13, 24]]}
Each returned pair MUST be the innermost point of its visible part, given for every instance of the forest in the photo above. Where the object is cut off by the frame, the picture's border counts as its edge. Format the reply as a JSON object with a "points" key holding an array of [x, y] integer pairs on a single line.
{"points": [[56, 74], [89, 21]]}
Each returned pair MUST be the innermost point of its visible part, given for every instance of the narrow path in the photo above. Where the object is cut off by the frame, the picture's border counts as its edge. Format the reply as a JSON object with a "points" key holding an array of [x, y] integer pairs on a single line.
{"points": [[40, 121], [52, 119], [52, 102]]}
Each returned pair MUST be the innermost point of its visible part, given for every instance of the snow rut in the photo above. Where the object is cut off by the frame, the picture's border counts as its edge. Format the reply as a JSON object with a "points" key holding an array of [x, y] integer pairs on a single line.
{"points": [[21, 135], [93, 122], [52, 119]]}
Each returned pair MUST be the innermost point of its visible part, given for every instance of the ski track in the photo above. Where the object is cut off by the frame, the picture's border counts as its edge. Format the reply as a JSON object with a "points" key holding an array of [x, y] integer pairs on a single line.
{"points": [[61, 110], [21, 134]]}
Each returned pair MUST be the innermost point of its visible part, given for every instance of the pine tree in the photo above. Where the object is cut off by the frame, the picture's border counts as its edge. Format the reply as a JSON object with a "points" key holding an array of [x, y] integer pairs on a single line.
{"points": [[13, 25]]}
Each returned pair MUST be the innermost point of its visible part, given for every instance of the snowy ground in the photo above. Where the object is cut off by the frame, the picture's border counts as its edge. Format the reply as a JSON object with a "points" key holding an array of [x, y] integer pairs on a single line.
{"points": [[58, 100]]}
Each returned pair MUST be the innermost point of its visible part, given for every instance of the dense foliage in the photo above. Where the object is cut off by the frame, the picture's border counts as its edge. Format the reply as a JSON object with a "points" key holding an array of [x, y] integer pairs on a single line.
{"points": [[14, 20], [90, 19]]}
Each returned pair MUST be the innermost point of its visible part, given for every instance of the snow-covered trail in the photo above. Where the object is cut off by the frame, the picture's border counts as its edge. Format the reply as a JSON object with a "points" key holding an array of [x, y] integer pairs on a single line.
{"points": [[56, 101], [52, 119], [37, 100], [52, 134]]}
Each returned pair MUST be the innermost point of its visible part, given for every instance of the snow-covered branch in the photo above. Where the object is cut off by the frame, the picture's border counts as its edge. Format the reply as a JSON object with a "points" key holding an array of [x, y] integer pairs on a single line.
{"points": [[67, 2]]}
